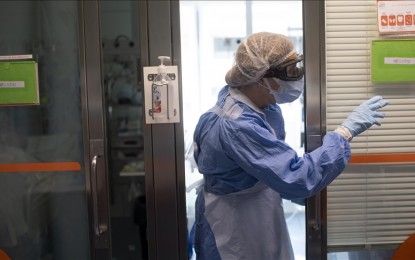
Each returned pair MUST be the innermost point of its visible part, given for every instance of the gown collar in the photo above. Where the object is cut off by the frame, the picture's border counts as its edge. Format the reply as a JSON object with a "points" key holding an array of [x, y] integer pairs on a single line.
{"points": [[237, 94]]}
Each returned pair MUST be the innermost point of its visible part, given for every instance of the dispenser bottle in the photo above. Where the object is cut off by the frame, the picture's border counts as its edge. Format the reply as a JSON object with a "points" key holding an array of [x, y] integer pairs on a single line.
{"points": [[160, 81]]}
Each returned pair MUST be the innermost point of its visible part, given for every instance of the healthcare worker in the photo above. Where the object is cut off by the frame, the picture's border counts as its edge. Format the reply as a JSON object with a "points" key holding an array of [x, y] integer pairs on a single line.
{"points": [[247, 166]]}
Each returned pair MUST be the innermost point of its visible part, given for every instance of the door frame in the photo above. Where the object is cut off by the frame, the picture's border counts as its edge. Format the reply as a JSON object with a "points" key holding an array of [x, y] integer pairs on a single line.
{"points": [[93, 112], [159, 33], [315, 125], [159, 25]]}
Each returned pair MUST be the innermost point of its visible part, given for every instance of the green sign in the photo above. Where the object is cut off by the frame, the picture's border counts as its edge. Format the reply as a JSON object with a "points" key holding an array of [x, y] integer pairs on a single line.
{"points": [[393, 61], [19, 83]]}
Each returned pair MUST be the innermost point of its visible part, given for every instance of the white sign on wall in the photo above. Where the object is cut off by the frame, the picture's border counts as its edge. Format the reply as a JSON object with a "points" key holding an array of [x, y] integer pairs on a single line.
{"points": [[161, 100], [396, 17]]}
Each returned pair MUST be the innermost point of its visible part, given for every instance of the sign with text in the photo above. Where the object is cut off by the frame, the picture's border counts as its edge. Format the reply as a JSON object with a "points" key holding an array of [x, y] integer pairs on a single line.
{"points": [[18, 83], [393, 61]]}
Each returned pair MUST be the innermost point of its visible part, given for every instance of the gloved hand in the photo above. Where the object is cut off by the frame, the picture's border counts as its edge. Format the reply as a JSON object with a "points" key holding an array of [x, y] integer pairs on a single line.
{"points": [[364, 116]]}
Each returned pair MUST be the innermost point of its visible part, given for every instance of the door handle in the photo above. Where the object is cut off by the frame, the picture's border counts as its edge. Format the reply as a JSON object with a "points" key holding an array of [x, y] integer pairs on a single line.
{"points": [[95, 195], [98, 228], [317, 212], [313, 142]]}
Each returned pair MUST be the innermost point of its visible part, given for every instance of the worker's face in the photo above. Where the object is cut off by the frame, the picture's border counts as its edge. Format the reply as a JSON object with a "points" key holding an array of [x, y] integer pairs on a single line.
{"points": [[284, 83]]}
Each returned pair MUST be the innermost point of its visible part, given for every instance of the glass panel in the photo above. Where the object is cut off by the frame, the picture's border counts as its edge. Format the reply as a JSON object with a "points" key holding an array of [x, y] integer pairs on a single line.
{"points": [[208, 44], [370, 206], [43, 213], [119, 23]]}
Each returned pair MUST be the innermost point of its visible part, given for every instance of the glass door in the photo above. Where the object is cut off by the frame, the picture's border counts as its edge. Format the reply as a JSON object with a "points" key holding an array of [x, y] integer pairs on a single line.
{"points": [[43, 202], [124, 125]]}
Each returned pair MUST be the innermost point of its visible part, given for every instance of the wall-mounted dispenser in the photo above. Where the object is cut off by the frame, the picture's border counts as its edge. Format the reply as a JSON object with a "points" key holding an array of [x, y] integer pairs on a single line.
{"points": [[161, 90]]}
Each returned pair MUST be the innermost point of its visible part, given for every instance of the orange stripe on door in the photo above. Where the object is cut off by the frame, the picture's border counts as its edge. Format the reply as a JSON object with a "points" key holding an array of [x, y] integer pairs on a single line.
{"points": [[383, 158], [40, 167]]}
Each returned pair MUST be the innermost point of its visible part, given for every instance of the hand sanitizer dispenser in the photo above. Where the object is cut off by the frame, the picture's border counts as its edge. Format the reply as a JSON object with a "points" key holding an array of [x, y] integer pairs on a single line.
{"points": [[161, 82], [161, 93]]}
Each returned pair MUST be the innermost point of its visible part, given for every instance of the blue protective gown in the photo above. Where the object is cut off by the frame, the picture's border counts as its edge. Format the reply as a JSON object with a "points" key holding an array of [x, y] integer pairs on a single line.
{"points": [[247, 169]]}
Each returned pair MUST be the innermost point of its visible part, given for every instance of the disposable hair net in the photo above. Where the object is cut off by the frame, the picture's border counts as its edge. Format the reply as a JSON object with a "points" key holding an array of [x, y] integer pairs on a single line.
{"points": [[255, 55]]}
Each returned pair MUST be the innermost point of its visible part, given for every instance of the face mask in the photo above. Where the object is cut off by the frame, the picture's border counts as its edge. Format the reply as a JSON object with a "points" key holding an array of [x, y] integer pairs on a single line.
{"points": [[288, 91]]}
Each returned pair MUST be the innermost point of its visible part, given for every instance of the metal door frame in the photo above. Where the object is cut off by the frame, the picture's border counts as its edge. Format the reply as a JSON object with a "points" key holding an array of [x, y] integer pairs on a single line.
{"points": [[315, 124], [94, 129], [159, 25], [159, 33], [159, 30], [167, 229]]}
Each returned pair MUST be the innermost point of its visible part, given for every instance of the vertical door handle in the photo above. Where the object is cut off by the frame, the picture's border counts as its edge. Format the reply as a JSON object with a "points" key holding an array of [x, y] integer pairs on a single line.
{"points": [[94, 183], [317, 212], [313, 142], [99, 201]]}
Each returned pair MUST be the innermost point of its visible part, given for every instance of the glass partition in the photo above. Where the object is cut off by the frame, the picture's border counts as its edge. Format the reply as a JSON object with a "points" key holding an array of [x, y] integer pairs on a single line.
{"points": [[43, 209], [370, 206], [124, 123]]}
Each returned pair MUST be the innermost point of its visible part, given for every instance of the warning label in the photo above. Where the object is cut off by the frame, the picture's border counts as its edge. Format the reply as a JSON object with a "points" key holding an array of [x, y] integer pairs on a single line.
{"points": [[396, 17]]}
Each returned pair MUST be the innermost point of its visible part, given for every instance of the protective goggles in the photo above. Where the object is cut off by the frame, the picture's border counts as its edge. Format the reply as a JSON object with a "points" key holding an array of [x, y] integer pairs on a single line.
{"points": [[291, 70]]}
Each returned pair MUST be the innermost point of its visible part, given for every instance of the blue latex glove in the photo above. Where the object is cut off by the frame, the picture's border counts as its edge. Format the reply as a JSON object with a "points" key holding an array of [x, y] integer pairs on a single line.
{"points": [[364, 116]]}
